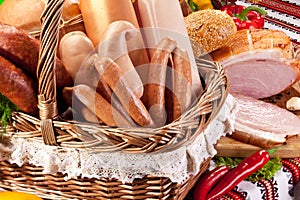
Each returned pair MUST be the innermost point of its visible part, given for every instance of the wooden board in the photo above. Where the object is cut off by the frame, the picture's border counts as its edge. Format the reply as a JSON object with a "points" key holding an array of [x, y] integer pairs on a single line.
{"points": [[233, 148]]}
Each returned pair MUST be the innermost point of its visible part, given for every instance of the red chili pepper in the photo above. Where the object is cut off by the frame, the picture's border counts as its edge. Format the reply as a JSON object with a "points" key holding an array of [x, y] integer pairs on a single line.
{"points": [[246, 17], [209, 180], [248, 166]]}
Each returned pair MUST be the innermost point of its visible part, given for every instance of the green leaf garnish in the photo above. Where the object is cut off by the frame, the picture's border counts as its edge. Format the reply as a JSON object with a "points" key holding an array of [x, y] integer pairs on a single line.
{"points": [[6, 108]]}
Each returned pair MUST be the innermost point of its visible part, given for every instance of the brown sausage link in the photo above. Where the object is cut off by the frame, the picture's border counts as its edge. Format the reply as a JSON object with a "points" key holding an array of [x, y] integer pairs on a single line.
{"points": [[182, 82], [114, 77], [98, 105], [80, 111], [157, 80], [23, 50], [18, 87], [90, 76]]}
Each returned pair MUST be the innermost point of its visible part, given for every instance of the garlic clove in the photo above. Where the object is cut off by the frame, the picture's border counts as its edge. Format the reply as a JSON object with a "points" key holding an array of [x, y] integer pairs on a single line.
{"points": [[293, 104]]}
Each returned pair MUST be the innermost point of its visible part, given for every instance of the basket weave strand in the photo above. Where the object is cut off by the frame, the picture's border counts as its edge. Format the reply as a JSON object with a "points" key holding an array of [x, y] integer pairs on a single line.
{"points": [[45, 71]]}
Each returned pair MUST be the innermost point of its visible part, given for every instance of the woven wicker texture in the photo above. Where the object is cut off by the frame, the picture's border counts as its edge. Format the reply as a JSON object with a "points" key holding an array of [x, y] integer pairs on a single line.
{"points": [[103, 138], [53, 130], [30, 179]]}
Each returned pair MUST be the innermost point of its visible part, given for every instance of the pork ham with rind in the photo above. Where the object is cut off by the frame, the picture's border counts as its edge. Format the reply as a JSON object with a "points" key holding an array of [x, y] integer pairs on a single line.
{"points": [[259, 63], [263, 124]]}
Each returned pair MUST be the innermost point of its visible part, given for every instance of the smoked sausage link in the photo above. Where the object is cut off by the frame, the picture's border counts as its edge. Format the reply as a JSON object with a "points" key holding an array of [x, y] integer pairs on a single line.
{"points": [[23, 51], [114, 77], [157, 80], [18, 87]]}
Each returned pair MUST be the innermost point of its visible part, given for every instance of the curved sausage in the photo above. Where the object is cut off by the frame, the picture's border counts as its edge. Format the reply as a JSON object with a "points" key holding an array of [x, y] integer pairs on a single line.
{"points": [[18, 87], [114, 77], [157, 80], [113, 45], [98, 105], [23, 50], [89, 75]]}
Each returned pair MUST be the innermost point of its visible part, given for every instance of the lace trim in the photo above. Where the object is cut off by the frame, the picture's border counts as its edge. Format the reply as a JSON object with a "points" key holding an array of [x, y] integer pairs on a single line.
{"points": [[176, 165]]}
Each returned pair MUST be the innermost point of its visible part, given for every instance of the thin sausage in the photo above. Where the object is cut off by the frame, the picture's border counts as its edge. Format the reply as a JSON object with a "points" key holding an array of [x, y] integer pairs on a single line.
{"points": [[157, 80], [182, 82], [114, 77], [98, 105]]}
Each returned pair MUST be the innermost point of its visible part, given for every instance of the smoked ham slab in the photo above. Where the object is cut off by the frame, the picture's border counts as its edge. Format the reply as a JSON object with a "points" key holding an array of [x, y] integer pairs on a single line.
{"points": [[263, 124], [259, 63]]}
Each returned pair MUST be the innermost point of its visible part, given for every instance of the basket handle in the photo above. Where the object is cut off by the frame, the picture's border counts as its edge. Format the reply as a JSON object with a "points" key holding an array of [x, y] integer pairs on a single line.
{"points": [[47, 104]]}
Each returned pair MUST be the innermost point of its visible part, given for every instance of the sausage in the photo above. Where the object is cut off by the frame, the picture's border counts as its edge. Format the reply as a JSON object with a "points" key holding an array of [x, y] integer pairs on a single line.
{"points": [[74, 48], [162, 19], [23, 51], [157, 80], [182, 82], [113, 45], [114, 77], [97, 15], [98, 105], [90, 76], [18, 87], [81, 111]]}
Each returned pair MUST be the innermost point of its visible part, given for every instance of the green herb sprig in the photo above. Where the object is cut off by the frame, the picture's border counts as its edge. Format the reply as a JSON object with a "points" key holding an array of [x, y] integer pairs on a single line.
{"points": [[6, 108]]}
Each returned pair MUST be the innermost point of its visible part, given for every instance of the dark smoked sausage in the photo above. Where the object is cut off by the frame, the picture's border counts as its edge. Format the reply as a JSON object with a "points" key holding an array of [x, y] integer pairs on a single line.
{"points": [[22, 50], [18, 87]]}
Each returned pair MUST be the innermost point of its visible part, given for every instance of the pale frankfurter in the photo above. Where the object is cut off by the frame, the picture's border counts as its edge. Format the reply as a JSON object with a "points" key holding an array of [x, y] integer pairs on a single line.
{"points": [[182, 82], [159, 19], [80, 111], [114, 77], [157, 80], [98, 105], [113, 44], [74, 47]]}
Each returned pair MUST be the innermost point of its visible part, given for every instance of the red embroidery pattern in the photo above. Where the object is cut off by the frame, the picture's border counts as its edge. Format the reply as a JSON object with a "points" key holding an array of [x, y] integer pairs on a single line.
{"points": [[293, 166]]}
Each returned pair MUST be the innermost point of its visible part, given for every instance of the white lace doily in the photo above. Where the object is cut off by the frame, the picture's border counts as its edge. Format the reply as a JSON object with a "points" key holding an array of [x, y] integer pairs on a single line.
{"points": [[176, 165]]}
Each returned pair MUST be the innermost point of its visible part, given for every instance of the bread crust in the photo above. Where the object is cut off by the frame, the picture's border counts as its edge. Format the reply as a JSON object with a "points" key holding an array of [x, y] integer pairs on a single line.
{"points": [[209, 30]]}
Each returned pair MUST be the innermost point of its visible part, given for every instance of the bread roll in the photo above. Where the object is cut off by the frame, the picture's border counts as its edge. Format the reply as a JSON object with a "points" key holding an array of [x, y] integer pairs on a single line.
{"points": [[209, 30]]}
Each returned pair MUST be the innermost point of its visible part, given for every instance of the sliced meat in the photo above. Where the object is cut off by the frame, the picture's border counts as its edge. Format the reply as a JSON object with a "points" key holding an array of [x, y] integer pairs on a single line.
{"points": [[263, 124], [259, 63]]}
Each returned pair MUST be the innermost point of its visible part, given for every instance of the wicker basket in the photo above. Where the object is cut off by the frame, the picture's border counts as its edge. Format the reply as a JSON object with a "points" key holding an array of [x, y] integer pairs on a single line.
{"points": [[52, 130]]}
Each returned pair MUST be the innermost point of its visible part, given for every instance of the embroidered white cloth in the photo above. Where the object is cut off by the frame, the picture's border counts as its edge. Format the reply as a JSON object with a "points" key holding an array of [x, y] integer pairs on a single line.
{"points": [[176, 165]]}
